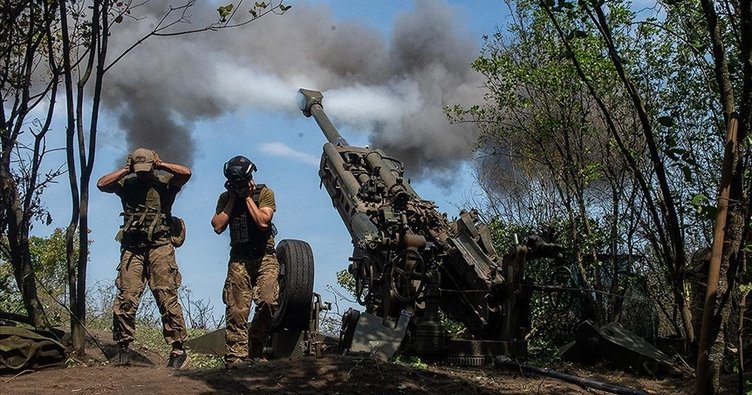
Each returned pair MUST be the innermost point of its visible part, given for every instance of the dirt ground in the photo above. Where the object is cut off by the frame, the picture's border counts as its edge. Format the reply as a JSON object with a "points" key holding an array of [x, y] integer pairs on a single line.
{"points": [[331, 374], [328, 375]]}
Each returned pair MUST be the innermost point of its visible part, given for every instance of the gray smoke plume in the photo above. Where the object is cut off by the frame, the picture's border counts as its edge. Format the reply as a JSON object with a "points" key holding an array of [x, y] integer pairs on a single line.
{"points": [[394, 90]]}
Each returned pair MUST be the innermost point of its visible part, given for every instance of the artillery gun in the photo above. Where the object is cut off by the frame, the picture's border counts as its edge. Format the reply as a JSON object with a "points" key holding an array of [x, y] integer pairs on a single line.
{"points": [[411, 264]]}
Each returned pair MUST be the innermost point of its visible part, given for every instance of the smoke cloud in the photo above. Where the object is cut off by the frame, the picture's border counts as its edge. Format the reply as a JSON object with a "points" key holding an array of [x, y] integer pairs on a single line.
{"points": [[392, 89]]}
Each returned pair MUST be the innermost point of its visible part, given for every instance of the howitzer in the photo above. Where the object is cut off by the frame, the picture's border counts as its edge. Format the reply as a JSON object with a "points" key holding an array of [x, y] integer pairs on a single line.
{"points": [[410, 262]]}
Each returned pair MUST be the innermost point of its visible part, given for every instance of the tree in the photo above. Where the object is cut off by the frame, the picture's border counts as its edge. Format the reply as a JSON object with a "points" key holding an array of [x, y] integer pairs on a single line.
{"points": [[541, 127], [732, 219], [653, 182], [48, 260], [664, 86], [25, 90]]}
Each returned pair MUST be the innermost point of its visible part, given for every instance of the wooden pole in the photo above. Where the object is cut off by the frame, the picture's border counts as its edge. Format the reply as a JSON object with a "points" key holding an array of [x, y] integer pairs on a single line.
{"points": [[702, 376]]}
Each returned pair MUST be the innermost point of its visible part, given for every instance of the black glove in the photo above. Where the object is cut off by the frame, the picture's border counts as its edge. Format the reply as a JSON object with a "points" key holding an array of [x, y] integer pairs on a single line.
{"points": [[239, 188]]}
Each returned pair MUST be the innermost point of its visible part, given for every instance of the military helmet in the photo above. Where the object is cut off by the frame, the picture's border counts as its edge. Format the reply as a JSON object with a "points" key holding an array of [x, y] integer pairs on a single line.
{"points": [[239, 168]]}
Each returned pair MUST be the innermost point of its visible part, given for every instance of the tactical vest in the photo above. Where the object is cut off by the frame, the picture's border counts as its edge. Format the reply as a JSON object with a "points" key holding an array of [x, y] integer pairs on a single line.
{"points": [[246, 239], [146, 215]]}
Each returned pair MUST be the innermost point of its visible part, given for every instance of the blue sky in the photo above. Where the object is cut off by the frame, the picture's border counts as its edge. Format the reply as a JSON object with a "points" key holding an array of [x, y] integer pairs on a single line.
{"points": [[266, 127]]}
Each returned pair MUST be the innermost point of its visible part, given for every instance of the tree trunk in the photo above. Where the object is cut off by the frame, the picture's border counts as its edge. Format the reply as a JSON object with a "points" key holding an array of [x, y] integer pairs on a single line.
{"points": [[18, 243], [725, 253]]}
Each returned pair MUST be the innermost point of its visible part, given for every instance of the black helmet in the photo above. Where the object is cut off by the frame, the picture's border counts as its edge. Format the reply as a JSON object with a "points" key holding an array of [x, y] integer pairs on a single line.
{"points": [[239, 168]]}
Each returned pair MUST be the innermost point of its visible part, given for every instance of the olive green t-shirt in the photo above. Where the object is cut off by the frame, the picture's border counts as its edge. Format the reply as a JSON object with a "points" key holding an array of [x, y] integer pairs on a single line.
{"points": [[246, 239]]}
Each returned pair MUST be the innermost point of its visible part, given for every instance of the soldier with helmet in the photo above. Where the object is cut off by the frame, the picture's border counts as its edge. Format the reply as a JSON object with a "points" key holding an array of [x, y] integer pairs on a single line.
{"points": [[147, 251], [247, 209]]}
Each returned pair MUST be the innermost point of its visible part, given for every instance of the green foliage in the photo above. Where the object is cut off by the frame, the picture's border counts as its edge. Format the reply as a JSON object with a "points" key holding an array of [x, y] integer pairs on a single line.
{"points": [[552, 162], [505, 234], [536, 101], [149, 337], [454, 328], [543, 351], [10, 298], [204, 361], [704, 207], [346, 281], [224, 11], [48, 259], [411, 361]]}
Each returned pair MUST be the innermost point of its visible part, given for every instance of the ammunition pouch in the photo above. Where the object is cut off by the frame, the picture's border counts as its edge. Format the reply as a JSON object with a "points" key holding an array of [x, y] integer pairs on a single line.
{"points": [[177, 231], [247, 241], [143, 227]]}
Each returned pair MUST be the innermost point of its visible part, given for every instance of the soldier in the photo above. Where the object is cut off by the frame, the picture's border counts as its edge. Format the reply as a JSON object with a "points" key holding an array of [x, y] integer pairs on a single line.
{"points": [[146, 252], [247, 208]]}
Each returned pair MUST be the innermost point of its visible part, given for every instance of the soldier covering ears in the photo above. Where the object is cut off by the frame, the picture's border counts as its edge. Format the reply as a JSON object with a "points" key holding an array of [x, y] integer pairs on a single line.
{"points": [[147, 252], [252, 274]]}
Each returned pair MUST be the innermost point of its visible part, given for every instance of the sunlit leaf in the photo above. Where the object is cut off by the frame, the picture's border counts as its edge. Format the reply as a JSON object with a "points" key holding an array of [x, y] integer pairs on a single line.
{"points": [[224, 11], [699, 199]]}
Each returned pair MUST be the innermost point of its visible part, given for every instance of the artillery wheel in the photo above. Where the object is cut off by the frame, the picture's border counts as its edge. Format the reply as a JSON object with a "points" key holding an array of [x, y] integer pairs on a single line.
{"points": [[562, 300], [295, 285]]}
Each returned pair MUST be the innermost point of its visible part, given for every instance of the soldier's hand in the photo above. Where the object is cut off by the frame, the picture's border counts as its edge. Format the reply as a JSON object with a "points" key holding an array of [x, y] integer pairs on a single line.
{"points": [[252, 187], [244, 191], [129, 164], [157, 160]]}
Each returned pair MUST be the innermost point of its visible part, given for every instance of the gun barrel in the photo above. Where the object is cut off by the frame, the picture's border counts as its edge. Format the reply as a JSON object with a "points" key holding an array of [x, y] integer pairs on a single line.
{"points": [[310, 103]]}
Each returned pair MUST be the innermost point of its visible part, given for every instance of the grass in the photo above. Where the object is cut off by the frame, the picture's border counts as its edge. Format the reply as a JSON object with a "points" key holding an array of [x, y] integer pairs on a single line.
{"points": [[149, 337], [411, 361]]}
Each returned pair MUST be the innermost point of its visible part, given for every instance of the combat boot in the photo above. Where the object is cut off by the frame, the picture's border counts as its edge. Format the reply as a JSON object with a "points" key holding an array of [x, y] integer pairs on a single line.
{"points": [[123, 354], [256, 352], [178, 358]]}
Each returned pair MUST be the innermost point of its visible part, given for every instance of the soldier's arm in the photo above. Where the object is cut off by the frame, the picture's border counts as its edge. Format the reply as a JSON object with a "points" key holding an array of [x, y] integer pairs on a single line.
{"points": [[221, 218], [181, 174], [109, 182], [262, 216]]}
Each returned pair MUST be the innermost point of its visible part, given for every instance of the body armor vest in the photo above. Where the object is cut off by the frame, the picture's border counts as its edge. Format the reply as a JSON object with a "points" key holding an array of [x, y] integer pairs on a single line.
{"points": [[146, 214], [246, 238]]}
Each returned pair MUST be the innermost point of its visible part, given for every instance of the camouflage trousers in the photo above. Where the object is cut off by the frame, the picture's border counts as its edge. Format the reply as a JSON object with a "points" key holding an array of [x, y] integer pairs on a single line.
{"points": [[252, 280], [156, 265]]}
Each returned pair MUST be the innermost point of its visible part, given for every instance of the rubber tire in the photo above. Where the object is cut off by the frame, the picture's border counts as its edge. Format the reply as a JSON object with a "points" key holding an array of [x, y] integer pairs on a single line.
{"points": [[295, 285]]}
